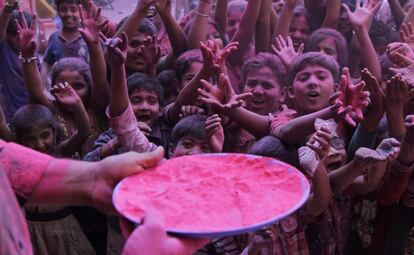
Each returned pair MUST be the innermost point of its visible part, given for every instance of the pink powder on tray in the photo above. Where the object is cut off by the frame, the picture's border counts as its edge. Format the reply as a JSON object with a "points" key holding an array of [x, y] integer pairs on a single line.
{"points": [[213, 192]]}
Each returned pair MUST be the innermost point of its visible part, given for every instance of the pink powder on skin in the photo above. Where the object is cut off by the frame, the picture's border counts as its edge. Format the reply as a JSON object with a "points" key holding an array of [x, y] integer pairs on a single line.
{"points": [[212, 192]]}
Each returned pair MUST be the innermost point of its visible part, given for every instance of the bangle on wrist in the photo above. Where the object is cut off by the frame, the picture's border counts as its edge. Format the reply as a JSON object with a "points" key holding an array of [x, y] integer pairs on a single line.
{"points": [[201, 14], [27, 60]]}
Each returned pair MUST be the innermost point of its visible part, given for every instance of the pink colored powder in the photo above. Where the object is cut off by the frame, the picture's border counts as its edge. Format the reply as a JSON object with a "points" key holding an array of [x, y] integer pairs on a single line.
{"points": [[213, 192]]}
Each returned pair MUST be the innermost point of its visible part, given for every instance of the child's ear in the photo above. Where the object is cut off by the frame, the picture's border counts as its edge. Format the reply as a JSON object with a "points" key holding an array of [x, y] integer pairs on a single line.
{"points": [[283, 94], [171, 149], [336, 86], [291, 92], [177, 85]]}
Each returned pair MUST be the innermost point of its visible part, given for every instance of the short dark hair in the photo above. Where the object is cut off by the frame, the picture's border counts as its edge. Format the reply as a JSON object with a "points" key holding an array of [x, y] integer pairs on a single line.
{"points": [[30, 115], [265, 60], [340, 43], [185, 60], [192, 126], [72, 64], [77, 2], [381, 33], [272, 147], [313, 58], [146, 26], [142, 81], [11, 26]]}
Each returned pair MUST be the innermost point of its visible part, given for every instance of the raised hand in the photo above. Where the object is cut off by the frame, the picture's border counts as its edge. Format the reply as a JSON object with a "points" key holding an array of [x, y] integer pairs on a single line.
{"points": [[362, 15], [26, 41], [397, 95], [221, 97], [407, 33], [188, 110], [209, 59], [215, 133], [397, 49], [285, 51], [65, 95], [407, 74], [374, 116], [163, 7], [388, 149], [92, 23], [116, 48], [320, 142], [151, 52], [353, 96], [144, 128]]}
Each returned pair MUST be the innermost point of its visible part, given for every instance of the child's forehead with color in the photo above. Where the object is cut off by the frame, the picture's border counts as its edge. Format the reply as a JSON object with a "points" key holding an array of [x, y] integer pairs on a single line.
{"points": [[314, 68]]}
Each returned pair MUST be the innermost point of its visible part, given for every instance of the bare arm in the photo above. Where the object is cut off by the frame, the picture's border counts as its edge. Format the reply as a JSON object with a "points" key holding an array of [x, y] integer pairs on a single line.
{"points": [[282, 27], [361, 20], [321, 195], [5, 132], [245, 32], [90, 33], [397, 11], [133, 21], [199, 27], [176, 35], [220, 14], [68, 99], [31, 75], [333, 8], [263, 30]]}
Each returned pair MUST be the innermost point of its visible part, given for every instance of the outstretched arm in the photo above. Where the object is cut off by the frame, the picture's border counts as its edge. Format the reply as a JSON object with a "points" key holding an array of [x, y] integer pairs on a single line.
{"points": [[176, 35], [132, 22], [263, 31], [68, 99], [199, 27], [90, 33], [361, 20], [31, 75], [333, 9], [244, 34]]}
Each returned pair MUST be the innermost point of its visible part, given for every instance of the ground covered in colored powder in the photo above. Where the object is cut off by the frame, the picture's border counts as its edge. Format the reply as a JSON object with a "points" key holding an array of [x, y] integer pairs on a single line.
{"points": [[213, 193]]}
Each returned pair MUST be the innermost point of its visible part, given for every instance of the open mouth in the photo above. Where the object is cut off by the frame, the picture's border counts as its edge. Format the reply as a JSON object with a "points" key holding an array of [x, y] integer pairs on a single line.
{"points": [[143, 118], [313, 94]]}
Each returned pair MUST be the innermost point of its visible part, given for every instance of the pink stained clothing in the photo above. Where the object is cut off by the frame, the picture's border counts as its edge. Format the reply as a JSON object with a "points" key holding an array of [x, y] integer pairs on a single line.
{"points": [[20, 171], [127, 131], [397, 183], [280, 118]]}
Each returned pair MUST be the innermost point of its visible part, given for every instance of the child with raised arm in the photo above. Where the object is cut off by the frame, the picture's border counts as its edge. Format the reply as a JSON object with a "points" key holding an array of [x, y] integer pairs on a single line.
{"points": [[77, 74], [13, 92], [35, 126]]}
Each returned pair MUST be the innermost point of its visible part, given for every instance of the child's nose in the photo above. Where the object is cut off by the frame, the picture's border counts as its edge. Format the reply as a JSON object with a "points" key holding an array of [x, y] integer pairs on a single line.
{"points": [[258, 90]]}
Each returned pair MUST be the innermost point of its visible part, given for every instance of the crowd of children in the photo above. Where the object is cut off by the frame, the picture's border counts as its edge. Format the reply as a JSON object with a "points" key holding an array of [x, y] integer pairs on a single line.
{"points": [[324, 85]]}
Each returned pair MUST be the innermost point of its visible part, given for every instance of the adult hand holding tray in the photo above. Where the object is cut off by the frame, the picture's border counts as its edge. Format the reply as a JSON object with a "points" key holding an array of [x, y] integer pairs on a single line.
{"points": [[214, 195]]}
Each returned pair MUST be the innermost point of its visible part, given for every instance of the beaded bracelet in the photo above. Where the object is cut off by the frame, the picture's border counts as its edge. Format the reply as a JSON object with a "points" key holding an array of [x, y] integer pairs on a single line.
{"points": [[27, 60], [202, 14]]}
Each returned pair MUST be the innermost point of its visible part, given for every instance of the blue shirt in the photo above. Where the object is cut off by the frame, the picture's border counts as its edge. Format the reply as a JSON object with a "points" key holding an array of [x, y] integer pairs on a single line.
{"points": [[58, 48], [13, 92]]}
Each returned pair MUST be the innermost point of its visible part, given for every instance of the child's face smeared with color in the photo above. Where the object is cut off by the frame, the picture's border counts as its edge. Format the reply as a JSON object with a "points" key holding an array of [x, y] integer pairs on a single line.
{"points": [[189, 146], [145, 106], [312, 88], [69, 14], [266, 90], [40, 138]]}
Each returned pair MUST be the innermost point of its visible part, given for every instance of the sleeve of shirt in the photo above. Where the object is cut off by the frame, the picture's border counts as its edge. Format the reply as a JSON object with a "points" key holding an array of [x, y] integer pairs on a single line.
{"points": [[95, 154], [280, 119], [50, 56], [24, 167], [127, 131], [394, 184]]}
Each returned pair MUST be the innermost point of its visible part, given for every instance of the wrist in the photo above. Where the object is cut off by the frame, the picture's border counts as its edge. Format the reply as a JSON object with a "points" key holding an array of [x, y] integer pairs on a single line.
{"points": [[356, 167]]}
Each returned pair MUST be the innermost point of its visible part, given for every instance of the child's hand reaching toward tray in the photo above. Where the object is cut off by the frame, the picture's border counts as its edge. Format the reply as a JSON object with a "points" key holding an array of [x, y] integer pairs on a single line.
{"points": [[151, 238]]}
